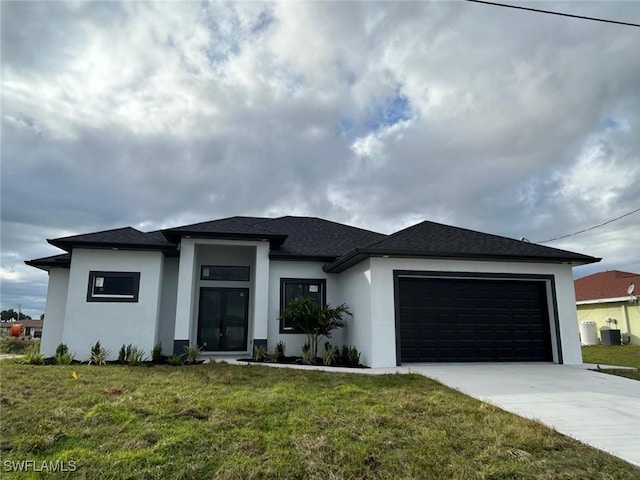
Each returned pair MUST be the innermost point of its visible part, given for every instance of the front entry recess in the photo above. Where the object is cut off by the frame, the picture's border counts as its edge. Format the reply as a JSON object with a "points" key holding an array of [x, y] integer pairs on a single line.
{"points": [[223, 319]]}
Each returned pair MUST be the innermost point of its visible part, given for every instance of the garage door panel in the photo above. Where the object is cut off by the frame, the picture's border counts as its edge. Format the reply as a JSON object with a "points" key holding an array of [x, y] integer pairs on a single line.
{"points": [[444, 319]]}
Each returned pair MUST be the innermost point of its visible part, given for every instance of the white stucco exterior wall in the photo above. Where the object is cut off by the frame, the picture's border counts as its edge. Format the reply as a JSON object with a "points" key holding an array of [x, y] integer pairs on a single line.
{"points": [[55, 308], [112, 323], [355, 291], [260, 288], [168, 298], [303, 270], [383, 307], [184, 297]]}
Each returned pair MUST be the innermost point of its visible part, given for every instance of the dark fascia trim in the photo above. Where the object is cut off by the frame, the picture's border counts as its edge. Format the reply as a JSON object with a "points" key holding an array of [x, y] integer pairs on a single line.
{"points": [[357, 255], [301, 258], [174, 236], [549, 279], [46, 265], [168, 250]]}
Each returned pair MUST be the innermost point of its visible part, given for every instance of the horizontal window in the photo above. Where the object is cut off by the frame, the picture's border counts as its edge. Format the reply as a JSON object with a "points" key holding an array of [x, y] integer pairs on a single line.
{"points": [[113, 286], [224, 273], [291, 288]]}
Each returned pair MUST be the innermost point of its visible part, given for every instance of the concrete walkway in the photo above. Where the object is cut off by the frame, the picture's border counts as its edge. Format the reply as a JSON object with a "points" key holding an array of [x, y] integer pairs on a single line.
{"points": [[595, 408]]}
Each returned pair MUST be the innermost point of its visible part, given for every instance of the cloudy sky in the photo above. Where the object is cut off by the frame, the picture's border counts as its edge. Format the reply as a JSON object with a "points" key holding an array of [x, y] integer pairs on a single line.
{"points": [[375, 114]]}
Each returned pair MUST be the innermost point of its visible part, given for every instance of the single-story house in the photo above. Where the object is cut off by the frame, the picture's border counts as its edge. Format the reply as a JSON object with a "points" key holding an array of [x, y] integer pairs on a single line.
{"points": [[428, 293], [32, 328], [611, 300]]}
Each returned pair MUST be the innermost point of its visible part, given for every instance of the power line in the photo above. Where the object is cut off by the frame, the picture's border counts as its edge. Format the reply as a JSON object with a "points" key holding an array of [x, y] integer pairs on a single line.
{"points": [[591, 228], [537, 10]]}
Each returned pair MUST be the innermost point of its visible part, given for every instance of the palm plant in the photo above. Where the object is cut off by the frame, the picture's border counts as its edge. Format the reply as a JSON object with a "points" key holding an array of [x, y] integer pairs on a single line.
{"points": [[314, 320]]}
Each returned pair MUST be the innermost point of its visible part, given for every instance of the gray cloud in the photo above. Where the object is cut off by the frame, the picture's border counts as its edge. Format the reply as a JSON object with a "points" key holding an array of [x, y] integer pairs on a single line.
{"points": [[378, 114]]}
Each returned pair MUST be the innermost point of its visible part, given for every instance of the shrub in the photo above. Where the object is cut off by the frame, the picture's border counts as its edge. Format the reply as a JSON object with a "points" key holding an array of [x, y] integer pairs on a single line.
{"points": [[329, 355], [124, 355], [175, 360], [307, 355], [280, 349], [259, 353], [63, 357], [61, 350], [353, 357], [33, 356], [192, 352], [156, 353], [99, 355], [136, 356]]}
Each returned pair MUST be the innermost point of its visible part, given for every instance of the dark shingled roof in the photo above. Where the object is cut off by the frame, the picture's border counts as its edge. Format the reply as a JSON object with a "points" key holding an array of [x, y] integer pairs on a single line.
{"points": [[127, 237], [58, 261], [291, 237], [433, 240], [316, 239], [249, 228]]}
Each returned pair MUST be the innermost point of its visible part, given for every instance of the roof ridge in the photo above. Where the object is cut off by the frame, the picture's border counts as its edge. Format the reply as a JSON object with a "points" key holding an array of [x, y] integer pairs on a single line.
{"points": [[353, 227], [614, 272], [258, 220]]}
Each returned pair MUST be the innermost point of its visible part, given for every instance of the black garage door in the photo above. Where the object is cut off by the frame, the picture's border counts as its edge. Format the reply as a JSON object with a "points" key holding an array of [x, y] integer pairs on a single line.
{"points": [[470, 320]]}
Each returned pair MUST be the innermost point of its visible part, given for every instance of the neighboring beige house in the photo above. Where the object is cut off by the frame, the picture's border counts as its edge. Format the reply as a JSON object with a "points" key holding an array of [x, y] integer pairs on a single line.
{"points": [[604, 298], [32, 328]]}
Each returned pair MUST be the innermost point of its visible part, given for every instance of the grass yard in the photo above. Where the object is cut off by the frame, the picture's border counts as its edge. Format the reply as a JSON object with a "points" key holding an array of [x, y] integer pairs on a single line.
{"points": [[620, 355], [219, 421]]}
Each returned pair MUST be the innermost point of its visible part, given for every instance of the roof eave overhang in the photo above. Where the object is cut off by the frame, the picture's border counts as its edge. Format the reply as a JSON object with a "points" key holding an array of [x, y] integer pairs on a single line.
{"points": [[175, 236], [47, 266], [595, 301], [301, 258], [169, 250], [358, 255]]}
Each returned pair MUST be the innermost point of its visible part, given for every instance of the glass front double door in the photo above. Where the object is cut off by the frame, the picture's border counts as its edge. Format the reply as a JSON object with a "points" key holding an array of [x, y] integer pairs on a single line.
{"points": [[223, 319]]}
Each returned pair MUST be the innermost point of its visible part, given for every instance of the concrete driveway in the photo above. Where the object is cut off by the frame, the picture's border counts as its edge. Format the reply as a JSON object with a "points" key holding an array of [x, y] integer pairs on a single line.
{"points": [[598, 409]]}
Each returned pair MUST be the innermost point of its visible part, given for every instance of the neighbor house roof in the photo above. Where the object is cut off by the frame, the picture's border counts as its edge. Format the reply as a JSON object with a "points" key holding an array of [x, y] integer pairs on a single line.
{"points": [[606, 285], [25, 322], [435, 240], [310, 238]]}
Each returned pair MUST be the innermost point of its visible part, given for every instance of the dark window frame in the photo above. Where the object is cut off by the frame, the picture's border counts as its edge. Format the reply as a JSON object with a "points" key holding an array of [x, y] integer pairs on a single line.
{"points": [[322, 282], [92, 296], [245, 268]]}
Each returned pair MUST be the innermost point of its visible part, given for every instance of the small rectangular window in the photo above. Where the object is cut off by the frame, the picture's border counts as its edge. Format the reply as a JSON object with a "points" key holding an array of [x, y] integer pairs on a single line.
{"points": [[113, 286], [224, 273], [291, 288]]}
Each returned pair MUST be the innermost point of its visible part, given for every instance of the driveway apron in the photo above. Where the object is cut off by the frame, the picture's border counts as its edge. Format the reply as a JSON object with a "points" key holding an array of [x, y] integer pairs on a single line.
{"points": [[595, 408]]}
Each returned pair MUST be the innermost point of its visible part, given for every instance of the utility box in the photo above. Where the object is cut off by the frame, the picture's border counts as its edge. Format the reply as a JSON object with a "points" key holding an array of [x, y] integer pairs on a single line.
{"points": [[610, 336], [588, 333]]}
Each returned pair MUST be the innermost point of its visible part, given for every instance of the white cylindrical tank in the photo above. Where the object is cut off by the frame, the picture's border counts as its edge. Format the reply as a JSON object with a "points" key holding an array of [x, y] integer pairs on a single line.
{"points": [[588, 333]]}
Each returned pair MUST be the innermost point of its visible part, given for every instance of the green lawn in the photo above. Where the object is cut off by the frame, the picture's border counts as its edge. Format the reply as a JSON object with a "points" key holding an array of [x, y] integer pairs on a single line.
{"points": [[619, 355], [219, 421]]}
